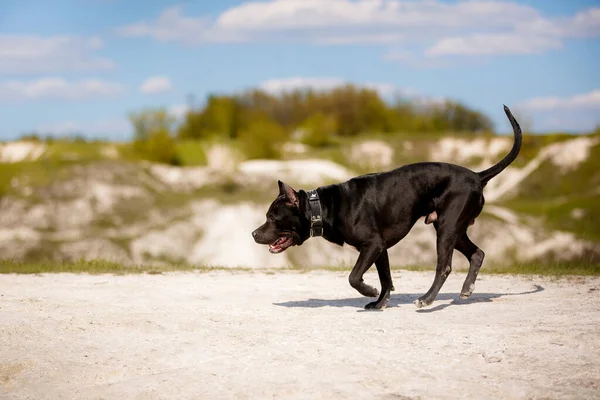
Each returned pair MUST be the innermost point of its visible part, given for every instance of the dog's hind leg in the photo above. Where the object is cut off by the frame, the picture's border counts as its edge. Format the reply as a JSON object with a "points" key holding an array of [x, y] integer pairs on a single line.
{"points": [[452, 223], [369, 253], [385, 277], [475, 256], [445, 248]]}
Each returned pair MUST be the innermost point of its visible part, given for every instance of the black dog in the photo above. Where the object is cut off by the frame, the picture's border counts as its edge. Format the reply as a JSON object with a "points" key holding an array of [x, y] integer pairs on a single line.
{"points": [[373, 212]]}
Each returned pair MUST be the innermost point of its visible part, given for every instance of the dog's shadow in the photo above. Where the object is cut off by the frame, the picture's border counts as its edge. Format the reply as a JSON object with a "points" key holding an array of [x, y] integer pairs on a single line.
{"points": [[407, 298]]}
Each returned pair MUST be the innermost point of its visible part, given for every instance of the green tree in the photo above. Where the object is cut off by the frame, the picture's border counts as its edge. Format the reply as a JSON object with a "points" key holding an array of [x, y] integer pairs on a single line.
{"points": [[454, 116], [347, 110], [263, 138], [153, 136], [220, 117], [319, 130], [149, 121]]}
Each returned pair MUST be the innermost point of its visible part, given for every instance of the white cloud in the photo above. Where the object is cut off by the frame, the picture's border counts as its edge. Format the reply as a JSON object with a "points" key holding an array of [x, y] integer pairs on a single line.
{"points": [[577, 113], [302, 14], [57, 88], [472, 27], [535, 36], [590, 100], [22, 54], [329, 22], [493, 44], [156, 84], [583, 24], [170, 26]]}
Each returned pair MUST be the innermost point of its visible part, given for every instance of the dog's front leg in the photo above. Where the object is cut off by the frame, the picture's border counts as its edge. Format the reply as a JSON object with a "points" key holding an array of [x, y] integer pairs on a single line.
{"points": [[368, 254], [385, 277]]}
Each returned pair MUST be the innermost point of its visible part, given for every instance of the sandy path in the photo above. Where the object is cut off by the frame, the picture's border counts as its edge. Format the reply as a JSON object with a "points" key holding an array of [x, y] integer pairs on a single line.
{"points": [[228, 335]]}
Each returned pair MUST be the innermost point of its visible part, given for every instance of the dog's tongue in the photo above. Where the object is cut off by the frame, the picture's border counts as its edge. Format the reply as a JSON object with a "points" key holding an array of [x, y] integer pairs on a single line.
{"points": [[279, 245], [274, 249]]}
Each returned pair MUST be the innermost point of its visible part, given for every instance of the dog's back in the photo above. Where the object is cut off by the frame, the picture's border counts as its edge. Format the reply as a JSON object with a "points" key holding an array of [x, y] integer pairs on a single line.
{"points": [[398, 198]]}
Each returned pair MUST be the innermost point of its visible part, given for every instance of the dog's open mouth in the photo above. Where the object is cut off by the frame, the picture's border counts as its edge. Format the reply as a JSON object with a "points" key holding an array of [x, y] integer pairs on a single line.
{"points": [[281, 244]]}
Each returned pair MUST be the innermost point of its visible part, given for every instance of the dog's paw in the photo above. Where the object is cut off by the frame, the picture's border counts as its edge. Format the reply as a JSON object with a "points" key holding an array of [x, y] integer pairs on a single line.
{"points": [[370, 291], [376, 306], [465, 294], [420, 303]]}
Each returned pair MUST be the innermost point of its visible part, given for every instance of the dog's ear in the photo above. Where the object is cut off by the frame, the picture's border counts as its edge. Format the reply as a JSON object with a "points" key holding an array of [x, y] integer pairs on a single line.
{"points": [[290, 194]]}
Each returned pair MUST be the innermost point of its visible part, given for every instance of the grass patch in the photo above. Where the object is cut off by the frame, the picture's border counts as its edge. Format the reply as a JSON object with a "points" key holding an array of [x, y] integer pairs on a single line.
{"points": [[98, 267], [550, 269], [548, 181], [555, 269], [559, 214], [74, 150], [553, 196], [191, 152], [32, 173], [54, 163]]}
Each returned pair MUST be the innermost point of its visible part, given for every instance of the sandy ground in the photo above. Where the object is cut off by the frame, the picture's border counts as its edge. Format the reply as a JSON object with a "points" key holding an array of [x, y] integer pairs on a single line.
{"points": [[224, 335]]}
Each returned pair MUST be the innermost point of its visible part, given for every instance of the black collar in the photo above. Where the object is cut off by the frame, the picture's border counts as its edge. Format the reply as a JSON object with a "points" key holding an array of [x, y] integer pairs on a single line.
{"points": [[316, 219]]}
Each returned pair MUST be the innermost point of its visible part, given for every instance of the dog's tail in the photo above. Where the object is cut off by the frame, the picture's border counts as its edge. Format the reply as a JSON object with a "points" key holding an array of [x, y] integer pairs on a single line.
{"points": [[496, 169]]}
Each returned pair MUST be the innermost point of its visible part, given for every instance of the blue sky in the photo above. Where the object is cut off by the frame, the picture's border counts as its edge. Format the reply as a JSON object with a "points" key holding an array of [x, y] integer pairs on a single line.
{"points": [[83, 65]]}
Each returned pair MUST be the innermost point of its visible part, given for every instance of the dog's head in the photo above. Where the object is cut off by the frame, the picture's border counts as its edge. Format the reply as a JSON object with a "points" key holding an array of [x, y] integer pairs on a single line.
{"points": [[287, 223]]}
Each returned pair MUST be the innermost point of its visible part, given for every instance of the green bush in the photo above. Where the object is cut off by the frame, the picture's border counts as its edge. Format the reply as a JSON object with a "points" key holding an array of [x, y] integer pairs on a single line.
{"points": [[147, 122], [319, 130], [263, 139], [220, 117], [153, 138], [356, 110], [191, 152], [158, 147]]}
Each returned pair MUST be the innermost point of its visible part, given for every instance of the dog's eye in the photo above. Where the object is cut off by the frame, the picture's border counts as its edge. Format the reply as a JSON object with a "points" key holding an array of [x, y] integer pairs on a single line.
{"points": [[270, 219]]}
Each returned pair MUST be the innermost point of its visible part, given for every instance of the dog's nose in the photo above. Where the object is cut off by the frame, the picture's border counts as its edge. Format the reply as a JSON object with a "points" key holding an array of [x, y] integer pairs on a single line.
{"points": [[254, 233]]}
